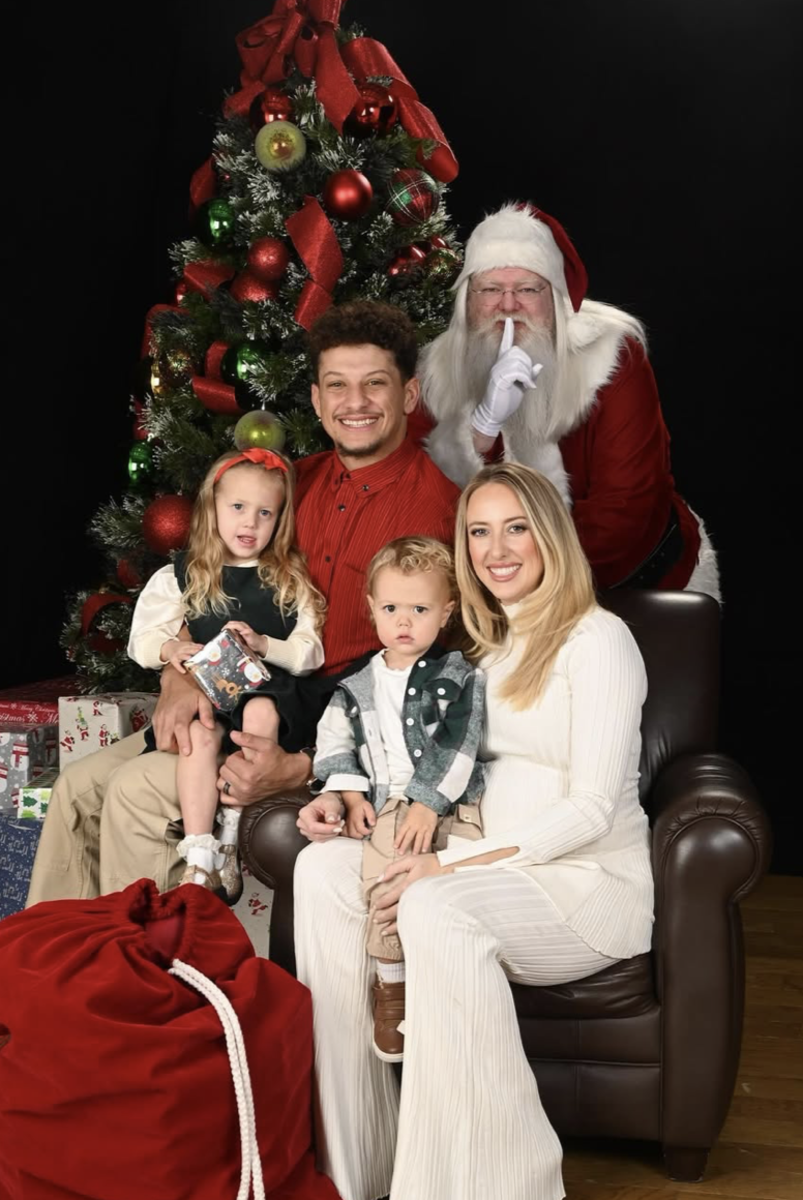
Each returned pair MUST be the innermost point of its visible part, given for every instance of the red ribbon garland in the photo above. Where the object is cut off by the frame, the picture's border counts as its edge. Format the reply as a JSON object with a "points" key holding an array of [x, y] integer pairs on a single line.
{"points": [[210, 389], [205, 275], [303, 32], [100, 642], [317, 246]]}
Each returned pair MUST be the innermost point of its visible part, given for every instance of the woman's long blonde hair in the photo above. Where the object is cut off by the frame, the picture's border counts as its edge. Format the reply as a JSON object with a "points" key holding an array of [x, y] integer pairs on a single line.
{"points": [[281, 564], [548, 614]]}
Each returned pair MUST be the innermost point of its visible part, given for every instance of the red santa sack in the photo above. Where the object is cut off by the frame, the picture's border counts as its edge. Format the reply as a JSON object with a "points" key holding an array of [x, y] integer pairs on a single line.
{"points": [[150, 1055]]}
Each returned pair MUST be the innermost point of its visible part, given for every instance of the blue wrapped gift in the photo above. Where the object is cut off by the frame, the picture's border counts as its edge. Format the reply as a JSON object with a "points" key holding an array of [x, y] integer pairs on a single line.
{"points": [[18, 842]]}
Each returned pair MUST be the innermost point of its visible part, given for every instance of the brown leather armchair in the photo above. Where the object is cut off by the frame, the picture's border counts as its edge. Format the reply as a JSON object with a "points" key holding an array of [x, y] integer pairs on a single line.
{"points": [[648, 1048]]}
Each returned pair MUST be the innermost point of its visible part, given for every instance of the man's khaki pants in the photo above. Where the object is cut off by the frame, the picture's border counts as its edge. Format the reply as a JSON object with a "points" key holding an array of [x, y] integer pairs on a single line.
{"points": [[379, 851], [112, 819]]}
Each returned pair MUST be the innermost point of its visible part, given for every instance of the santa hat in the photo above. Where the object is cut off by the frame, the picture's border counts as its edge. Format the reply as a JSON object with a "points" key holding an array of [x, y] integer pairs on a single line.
{"points": [[520, 235]]}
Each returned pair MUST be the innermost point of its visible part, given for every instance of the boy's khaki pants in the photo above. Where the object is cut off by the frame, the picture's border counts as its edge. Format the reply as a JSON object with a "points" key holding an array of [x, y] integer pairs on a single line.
{"points": [[379, 851]]}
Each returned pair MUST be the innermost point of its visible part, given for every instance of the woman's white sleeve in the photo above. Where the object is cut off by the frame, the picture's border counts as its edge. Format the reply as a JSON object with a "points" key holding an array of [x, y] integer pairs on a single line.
{"points": [[608, 688], [158, 615], [301, 652]]}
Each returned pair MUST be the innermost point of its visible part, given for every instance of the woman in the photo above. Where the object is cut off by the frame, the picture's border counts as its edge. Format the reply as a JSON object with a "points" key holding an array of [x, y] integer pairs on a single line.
{"points": [[558, 889]]}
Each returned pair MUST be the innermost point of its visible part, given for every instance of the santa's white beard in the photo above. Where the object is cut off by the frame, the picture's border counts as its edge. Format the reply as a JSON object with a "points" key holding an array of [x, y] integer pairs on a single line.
{"points": [[535, 413]]}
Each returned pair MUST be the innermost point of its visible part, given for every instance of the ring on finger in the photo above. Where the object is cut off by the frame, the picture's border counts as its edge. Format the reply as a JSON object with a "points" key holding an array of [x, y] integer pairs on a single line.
{"points": [[226, 788]]}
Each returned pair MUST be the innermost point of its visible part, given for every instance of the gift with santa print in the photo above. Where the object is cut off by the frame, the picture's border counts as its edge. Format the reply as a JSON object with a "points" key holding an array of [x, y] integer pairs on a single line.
{"points": [[225, 669]]}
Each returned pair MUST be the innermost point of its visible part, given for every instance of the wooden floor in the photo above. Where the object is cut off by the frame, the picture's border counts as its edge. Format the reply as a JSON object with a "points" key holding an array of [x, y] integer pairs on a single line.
{"points": [[759, 1155]]}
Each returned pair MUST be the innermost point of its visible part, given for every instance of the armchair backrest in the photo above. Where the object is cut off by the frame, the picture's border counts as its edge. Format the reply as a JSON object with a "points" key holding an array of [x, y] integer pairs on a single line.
{"points": [[678, 635]]}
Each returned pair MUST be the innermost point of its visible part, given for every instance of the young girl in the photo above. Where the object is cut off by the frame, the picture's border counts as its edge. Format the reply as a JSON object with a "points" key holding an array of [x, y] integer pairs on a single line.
{"points": [[241, 563]]}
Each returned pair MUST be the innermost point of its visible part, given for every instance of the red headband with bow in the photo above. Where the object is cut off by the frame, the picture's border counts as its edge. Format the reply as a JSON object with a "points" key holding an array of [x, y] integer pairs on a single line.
{"points": [[261, 458]]}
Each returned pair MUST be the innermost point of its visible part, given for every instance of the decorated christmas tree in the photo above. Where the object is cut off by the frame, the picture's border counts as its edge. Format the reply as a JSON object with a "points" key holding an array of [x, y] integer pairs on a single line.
{"points": [[325, 183]]}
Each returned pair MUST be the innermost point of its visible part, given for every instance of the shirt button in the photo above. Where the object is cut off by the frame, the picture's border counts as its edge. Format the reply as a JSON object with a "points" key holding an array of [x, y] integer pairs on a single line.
{"points": [[411, 691], [328, 558], [441, 691], [365, 487], [410, 721], [422, 663], [341, 508], [416, 754]]}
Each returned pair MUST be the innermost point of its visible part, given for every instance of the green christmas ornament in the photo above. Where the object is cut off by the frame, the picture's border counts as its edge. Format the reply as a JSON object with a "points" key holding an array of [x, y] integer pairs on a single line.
{"points": [[260, 430], [140, 464], [215, 223], [240, 363], [280, 146]]}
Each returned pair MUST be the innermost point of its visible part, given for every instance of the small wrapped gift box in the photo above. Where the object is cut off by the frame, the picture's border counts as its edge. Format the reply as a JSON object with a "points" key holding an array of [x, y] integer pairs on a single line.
{"points": [[34, 797], [36, 703], [18, 843], [26, 751], [90, 723], [225, 668]]}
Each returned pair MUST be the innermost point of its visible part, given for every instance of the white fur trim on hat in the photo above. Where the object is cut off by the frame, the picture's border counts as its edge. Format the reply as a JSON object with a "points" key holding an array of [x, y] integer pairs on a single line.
{"points": [[513, 237]]}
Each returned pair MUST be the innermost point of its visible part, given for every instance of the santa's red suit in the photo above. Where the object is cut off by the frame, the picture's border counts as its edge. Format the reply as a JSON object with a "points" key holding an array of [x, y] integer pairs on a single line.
{"points": [[604, 443]]}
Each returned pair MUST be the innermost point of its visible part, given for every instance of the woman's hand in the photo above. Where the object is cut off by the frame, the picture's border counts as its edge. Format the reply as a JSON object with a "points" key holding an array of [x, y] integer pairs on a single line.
{"points": [[402, 873], [258, 642], [415, 834], [321, 819]]}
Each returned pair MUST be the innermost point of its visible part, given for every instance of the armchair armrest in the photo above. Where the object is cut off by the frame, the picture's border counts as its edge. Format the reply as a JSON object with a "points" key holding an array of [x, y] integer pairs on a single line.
{"points": [[269, 845], [711, 844]]}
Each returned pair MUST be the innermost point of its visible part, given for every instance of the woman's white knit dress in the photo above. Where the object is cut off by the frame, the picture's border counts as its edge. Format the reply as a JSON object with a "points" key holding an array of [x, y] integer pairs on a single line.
{"points": [[575, 897]]}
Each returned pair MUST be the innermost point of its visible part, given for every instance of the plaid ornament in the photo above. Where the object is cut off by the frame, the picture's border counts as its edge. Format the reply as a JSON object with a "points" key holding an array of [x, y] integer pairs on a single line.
{"points": [[413, 196]]}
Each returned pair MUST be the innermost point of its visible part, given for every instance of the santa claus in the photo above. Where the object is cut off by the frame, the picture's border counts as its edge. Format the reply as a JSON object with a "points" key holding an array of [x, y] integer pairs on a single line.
{"points": [[531, 371]]}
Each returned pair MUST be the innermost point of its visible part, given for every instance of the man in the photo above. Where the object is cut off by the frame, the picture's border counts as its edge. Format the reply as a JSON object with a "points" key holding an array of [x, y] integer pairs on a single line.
{"points": [[531, 371], [112, 816]]}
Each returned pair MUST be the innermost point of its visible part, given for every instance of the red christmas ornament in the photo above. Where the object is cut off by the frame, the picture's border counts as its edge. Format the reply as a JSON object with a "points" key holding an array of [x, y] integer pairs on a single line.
{"points": [[347, 195], [182, 290], [407, 260], [412, 196], [128, 574], [270, 105], [268, 259], [166, 523], [375, 112], [247, 286], [140, 432]]}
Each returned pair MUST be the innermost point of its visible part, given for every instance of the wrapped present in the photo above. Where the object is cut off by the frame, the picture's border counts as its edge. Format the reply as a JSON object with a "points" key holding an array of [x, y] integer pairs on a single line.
{"points": [[90, 723], [26, 752], [36, 703], [18, 843], [225, 668], [34, 797]]}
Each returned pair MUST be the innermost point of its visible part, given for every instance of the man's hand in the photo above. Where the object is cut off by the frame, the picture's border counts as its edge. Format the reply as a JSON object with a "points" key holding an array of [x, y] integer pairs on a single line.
{"points": [[417, 829], [511, 375], [360, 815], [258, 642], [321, 819], [180, 702], [261, 768]]}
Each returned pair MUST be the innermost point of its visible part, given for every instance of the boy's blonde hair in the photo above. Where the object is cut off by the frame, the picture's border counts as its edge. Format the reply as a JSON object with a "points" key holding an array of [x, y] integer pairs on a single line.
{"points": [[412, 555], [546, 617], [281, 564]]}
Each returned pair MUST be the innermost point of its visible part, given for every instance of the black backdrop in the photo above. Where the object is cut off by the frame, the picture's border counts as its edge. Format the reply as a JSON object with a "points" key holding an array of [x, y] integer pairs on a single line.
{"points": [[662, 134]]}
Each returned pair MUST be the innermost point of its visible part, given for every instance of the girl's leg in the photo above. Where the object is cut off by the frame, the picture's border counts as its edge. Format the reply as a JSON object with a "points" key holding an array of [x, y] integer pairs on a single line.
{"points": [[196, 781], [357, 1095], [260, 717], [471, 1125]]}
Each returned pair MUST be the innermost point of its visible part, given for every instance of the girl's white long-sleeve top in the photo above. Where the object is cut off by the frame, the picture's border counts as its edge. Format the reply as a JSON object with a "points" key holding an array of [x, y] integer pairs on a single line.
{"points": [[563, 785], [159, 615]]}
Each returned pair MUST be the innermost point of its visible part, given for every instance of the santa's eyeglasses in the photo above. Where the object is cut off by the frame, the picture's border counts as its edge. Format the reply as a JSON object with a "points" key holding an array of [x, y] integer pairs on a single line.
{"points": [[525, 293]]}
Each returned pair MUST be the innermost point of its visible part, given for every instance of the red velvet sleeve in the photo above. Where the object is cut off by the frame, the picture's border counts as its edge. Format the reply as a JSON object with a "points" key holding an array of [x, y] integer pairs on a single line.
{"points": [[619, 463]]}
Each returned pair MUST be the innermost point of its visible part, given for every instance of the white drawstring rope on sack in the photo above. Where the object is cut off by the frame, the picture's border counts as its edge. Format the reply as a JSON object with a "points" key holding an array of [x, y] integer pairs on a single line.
{"points": [[251, 1167]]}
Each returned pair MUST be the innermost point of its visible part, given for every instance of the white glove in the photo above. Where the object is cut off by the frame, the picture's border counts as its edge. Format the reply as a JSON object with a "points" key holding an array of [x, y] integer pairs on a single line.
{"points": [[511, 376]]}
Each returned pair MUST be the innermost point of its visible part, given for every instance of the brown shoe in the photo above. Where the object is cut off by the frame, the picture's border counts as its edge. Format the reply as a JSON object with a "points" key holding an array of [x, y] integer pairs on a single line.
{"points": [[388, 1015]]}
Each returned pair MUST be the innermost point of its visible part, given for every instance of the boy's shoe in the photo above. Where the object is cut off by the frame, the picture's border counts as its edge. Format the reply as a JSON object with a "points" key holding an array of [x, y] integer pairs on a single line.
{"points": [[388, 1016], [230, 874]]}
